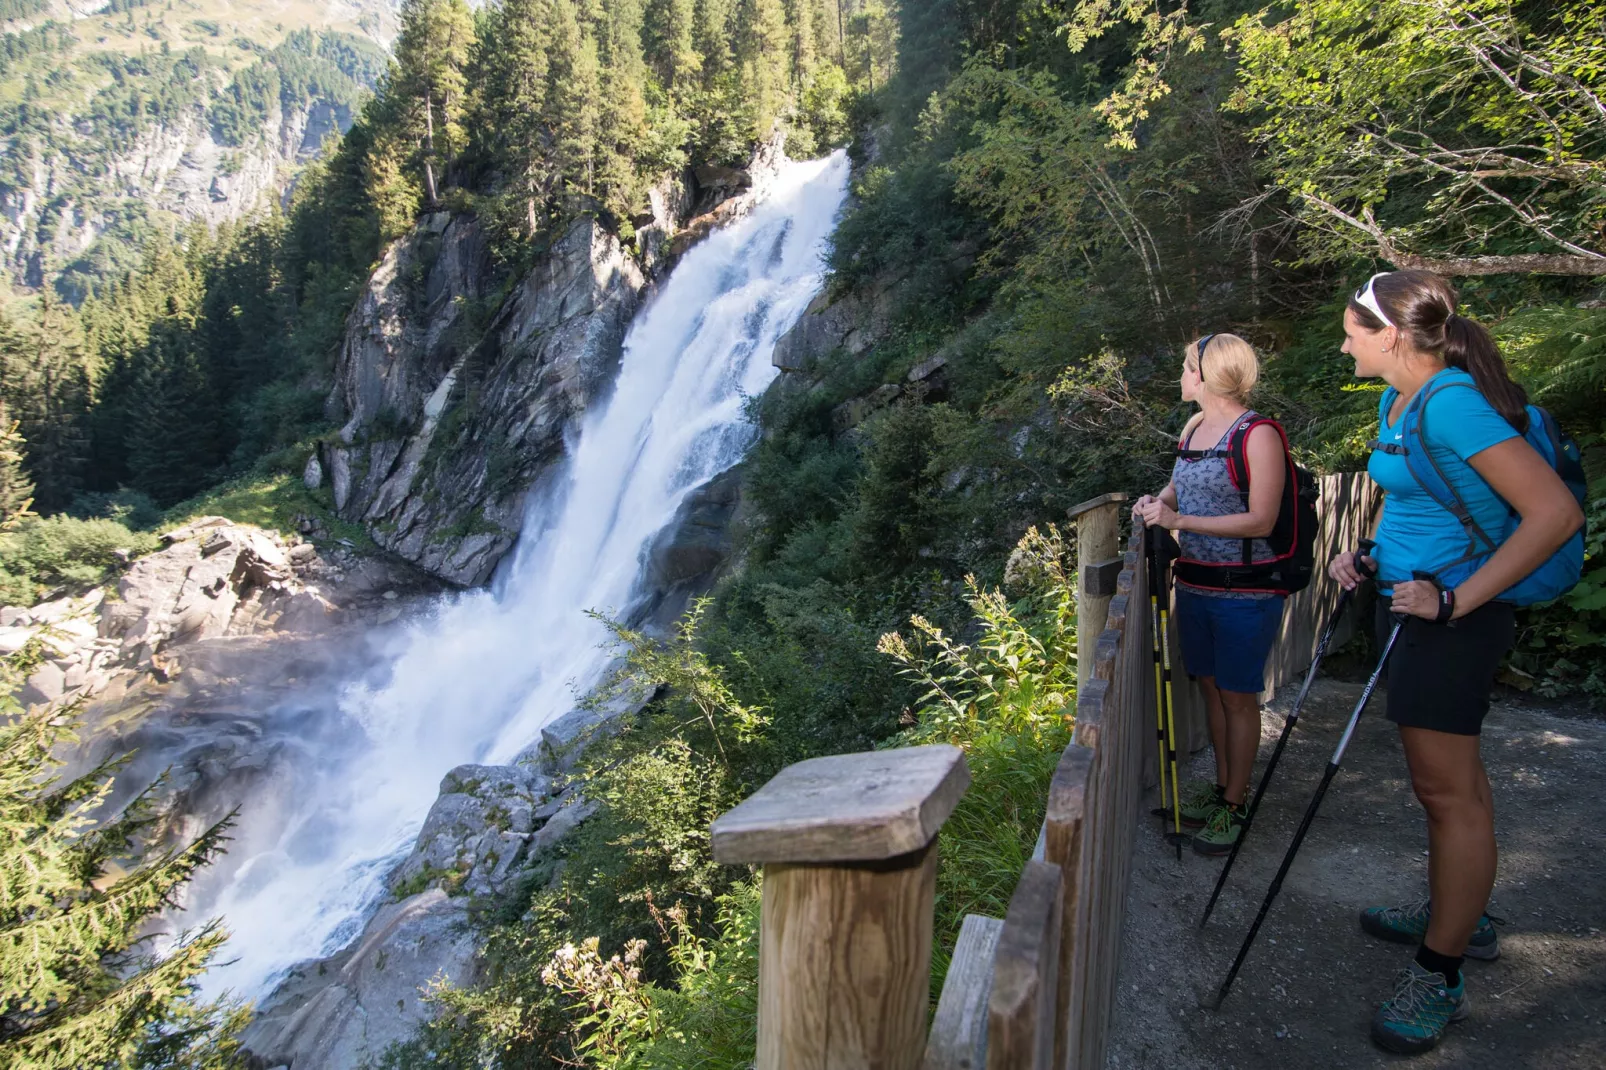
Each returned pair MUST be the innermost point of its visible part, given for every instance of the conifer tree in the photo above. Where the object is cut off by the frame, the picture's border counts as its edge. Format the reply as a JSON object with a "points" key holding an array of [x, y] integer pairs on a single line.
{"points": [[800, 22], [46, 381], [430, 81], [16, 490], [623, 120], [711, 36], [573, 109], [512, 66], [76, 989], [761, 57], [667, 34]]}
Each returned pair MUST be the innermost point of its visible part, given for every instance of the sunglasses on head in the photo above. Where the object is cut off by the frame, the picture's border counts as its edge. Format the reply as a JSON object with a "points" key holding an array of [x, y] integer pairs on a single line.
{"points": [[1200, 351], [1367, 299]]}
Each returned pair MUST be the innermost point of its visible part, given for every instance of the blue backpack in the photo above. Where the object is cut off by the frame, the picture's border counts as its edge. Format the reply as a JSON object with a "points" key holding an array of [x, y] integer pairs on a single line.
{"points": [[1559, 573]]}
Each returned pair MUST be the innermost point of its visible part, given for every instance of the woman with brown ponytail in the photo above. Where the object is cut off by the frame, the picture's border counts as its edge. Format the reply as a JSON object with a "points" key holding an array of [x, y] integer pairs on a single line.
{"points": [[1403, 327]]}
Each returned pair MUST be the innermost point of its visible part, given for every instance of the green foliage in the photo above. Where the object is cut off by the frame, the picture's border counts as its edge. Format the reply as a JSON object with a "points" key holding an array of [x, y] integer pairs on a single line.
{"points": [[16, 489], [1436, 129], [41, 553], [1562, 645], [76, 990], [1009, 701]]}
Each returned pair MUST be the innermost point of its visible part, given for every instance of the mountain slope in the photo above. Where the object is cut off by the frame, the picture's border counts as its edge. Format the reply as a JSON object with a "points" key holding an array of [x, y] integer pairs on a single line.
{"points": [[122, 121]]}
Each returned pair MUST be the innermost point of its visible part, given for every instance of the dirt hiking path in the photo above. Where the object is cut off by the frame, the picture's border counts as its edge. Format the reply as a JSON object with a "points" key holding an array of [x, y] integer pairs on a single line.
{"points": [[1308, 989]]}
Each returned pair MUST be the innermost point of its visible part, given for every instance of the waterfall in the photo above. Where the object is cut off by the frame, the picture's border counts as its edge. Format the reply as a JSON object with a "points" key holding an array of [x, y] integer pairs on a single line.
{"points": [[476, 678]]}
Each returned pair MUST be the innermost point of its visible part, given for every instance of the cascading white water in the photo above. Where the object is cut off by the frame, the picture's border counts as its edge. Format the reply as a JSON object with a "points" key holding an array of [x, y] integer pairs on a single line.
{"points": [[476, 680]]}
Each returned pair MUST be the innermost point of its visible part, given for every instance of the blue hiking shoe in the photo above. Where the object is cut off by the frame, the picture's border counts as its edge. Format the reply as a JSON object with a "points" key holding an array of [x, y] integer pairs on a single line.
{"points": [[1413, 1020], [1409, 924]]}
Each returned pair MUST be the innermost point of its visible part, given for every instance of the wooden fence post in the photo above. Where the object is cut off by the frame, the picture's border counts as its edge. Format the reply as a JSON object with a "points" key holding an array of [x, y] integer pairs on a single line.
{"points": [[848, 846], [1021, 1006], [1098, 522]]}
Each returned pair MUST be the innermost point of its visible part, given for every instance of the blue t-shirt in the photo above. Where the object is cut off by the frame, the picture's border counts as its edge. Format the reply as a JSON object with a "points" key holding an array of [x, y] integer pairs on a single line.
{"points": [[1416, 532]]}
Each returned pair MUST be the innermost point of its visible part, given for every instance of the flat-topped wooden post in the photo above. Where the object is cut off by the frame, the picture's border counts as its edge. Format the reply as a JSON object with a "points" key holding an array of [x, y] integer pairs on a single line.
{"points": [[1098, 523], [849, 850]]}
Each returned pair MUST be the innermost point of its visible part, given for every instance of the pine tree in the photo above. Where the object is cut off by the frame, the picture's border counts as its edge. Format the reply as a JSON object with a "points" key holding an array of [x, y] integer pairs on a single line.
{"points": [[16, 489], [430, 80], [573, 109], [511, 65], [761, 58], [667, 35], [800, 21], [623, 120], [75, 988], [711, 36], [45, 373]]}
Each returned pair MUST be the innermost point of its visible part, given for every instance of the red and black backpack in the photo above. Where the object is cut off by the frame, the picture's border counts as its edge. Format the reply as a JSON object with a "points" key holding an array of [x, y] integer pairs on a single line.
{"points": [[1292, 540]]}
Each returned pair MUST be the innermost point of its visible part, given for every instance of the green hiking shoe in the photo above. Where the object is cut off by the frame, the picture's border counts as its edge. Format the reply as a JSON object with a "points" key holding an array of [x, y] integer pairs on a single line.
{"points": [[1199, 800], [1409, 924], [1221, 831], [1413, 1020]]}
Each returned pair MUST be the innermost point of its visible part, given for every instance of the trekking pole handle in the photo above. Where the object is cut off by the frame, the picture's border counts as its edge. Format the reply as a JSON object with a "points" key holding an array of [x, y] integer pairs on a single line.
{"points": [[1369, 571]]}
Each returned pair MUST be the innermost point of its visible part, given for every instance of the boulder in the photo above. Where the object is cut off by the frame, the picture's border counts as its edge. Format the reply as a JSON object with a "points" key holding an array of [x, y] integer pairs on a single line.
{"points": [[698, 541], [312, 474], [852, 413], [477, 830], [564, 739]]}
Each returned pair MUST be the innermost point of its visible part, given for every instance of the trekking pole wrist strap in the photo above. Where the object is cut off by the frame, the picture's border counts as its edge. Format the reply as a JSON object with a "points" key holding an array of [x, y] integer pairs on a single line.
{"points": [[1446, 597], [1446, 606]]}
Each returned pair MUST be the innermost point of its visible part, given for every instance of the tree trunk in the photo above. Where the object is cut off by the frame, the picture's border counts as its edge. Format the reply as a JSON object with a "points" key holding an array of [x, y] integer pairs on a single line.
{"points": [[430, 190]]}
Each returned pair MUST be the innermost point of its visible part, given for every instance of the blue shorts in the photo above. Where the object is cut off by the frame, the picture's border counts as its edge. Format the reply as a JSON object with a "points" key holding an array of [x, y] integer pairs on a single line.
{"points": [[1227, 638]]}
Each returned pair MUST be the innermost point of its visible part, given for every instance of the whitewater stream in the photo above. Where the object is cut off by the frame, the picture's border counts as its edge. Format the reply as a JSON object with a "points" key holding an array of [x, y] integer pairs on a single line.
{"points": [[476, 677]]}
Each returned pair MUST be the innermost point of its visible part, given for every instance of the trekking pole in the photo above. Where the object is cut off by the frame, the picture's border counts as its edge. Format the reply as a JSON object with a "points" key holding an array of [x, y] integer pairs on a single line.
{"points": [[1288, 728], [1152, 556], [1164, 599], [1310, 813]]}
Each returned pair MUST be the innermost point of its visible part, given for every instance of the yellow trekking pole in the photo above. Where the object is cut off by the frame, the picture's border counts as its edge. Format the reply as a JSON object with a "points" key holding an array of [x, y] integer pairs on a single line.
{"points": [[1171, 720], [1152, 552]]}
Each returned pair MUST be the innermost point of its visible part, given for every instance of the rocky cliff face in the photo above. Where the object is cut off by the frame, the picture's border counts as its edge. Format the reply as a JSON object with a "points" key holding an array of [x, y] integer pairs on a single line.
{"points": [[447, 424]]}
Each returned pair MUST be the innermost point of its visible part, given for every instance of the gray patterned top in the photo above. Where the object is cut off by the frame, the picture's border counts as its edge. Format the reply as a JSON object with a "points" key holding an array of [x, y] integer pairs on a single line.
{"points": [[1205, 489]]}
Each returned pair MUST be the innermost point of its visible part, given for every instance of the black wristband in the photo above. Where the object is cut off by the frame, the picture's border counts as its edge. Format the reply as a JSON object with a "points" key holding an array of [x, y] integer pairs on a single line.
{"points": [[1446, 606]]}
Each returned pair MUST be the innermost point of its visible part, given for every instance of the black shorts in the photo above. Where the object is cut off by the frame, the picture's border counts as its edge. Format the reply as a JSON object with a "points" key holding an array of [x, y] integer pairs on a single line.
{"points": [[1440, 675]]}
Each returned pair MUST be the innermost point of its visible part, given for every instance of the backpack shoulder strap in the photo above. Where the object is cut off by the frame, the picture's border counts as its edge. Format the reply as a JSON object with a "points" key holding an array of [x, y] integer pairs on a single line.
{"points": [[1426, 471], [1238, 449], [1384, 404], [1238, 462]]}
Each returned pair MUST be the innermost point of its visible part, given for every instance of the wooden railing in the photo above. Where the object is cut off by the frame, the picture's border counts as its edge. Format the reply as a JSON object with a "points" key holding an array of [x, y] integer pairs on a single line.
{"points": [[848, 846]]}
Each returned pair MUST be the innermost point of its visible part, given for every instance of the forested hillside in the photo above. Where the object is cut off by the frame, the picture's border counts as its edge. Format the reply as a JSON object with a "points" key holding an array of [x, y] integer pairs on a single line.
{"points": [[1051, 200], [119, 124]]}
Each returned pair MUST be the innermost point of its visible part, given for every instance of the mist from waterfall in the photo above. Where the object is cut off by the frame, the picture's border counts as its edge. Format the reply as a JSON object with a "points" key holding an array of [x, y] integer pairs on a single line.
{"points": [[476, 677]]}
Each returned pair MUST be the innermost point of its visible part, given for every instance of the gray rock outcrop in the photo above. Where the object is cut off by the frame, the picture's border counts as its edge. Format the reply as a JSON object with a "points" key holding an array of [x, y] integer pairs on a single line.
{"points": [[342, 1011], [442, 438]]}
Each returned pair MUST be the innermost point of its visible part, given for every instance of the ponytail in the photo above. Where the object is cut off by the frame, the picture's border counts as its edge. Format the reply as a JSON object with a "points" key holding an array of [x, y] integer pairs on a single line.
{"points": [[1468, 346], [1422, 305]]}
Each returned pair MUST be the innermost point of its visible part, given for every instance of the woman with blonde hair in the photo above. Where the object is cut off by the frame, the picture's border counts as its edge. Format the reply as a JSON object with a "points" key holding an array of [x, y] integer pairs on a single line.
{"points": [[1226, 492]]}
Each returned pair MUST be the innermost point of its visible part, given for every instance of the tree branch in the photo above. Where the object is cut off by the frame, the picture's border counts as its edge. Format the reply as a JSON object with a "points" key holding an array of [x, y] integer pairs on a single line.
{"points": [[1517, 264]]}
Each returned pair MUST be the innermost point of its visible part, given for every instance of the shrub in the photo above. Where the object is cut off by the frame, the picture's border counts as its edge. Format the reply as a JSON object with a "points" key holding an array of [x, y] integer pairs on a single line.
{"points": [[54, 551]]}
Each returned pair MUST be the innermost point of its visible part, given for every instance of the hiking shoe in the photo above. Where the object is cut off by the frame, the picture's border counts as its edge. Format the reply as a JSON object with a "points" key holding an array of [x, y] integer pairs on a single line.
{"points": [[1414, 1018], [1199, 800], [1409, 924], [1221, 831]]}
